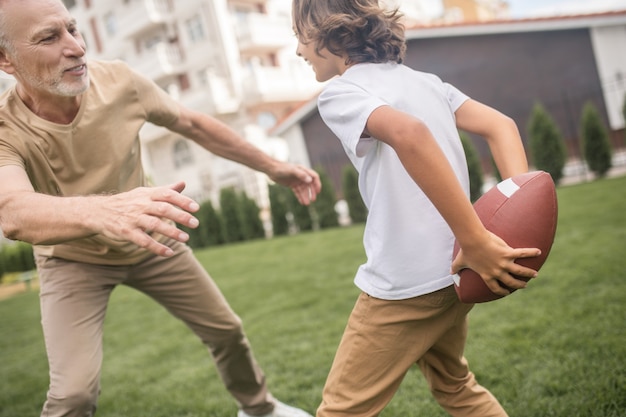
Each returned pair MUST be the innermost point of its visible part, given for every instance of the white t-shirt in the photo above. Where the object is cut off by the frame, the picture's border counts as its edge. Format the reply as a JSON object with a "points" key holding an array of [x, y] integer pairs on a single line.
{"points": [[407, 242]]}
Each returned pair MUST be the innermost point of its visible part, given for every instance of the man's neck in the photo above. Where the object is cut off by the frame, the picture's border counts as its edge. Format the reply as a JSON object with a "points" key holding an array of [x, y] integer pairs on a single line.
{"points": [[55, 109]]}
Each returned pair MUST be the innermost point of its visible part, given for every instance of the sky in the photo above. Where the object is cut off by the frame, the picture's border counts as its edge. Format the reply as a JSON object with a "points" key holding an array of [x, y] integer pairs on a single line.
{"points": [[529, 8], [535, 8]]}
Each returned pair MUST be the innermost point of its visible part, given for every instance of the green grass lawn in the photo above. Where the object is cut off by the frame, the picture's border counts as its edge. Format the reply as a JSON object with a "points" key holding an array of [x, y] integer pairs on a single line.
{"points": [[557, 348]]}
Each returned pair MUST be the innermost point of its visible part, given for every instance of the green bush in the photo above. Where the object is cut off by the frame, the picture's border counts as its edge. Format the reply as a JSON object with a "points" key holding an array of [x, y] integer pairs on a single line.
{"points": [[547, 149], [211, 225], [278, 205], [231, 213], [356, 207], [596, 147], [474, 167], [1, 269], [324, 206], [302, 215], [251, 219], [496, 171], [624, 115], [16, 257]]}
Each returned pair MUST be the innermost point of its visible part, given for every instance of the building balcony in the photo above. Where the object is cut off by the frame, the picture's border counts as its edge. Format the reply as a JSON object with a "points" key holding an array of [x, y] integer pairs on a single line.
{"points": [[258, 33], [162, 60], [217, 97], [252, 2], [279, 84], [143, 16]]}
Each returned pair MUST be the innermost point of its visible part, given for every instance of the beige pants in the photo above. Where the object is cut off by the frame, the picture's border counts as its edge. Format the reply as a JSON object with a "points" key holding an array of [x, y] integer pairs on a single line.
{"points": [[74, 298], [383, 339]]}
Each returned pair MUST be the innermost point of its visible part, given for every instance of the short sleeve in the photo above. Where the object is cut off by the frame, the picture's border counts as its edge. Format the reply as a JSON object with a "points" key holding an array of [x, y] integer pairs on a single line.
{"points": [[161, 108], [9, 155], [345, 108], [455, 97]]}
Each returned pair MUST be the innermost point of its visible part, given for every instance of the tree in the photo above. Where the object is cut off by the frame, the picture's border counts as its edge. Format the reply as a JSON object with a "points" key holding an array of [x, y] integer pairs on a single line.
{"points": [[624, 115], [231, 213], [595, 141], [496, 171], [474, 167], [251, 219], [278, 206], [1, 263], [324, 206], [210, 231], [17, 257], [302, 215], [211, 224], [195, 241], [547, 149], [356, 207]]}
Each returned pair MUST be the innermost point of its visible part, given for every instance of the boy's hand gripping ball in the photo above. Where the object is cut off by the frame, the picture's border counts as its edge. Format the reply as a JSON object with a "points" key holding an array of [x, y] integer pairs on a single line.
{"points": [[521, 210]]}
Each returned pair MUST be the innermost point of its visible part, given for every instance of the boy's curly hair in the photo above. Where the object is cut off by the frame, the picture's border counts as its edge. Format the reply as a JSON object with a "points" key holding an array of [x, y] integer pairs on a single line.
{"points": [[359, 29]]}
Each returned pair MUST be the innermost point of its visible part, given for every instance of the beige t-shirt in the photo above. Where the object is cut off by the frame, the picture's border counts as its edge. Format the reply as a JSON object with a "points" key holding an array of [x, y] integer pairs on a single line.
{"points": [[98, 153]]}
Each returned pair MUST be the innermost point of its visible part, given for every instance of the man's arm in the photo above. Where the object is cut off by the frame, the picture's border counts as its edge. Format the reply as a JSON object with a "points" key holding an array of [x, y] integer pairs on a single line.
{"points": [[42, 219], [221, 140]]}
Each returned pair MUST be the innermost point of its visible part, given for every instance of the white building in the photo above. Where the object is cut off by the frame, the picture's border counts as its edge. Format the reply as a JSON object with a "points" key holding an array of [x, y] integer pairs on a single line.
{"points": [[232, 59]]}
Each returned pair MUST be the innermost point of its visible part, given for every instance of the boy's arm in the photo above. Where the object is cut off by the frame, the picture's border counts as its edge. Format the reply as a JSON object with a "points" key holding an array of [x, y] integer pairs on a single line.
{"points": [[500, 132], [425, 162]]}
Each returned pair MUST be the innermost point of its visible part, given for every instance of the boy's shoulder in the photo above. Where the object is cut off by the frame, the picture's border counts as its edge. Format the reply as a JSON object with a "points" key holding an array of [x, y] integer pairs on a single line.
{"points": [[387, 71]]}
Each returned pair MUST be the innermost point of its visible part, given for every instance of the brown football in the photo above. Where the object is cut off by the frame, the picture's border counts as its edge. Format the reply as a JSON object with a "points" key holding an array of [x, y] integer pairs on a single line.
{"points": [[521, 210]]}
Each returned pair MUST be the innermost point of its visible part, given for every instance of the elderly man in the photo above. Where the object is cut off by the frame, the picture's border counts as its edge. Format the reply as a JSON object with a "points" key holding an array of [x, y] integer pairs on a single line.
{"points": [[72, 184]]}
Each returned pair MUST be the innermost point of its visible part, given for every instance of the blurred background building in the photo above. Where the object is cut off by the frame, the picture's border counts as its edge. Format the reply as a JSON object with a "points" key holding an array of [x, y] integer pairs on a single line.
{"points": [[235, 60], [232, 59]]}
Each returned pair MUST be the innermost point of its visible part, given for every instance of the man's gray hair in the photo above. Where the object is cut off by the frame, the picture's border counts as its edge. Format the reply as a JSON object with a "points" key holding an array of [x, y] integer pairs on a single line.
{"points": [[5, 41]]}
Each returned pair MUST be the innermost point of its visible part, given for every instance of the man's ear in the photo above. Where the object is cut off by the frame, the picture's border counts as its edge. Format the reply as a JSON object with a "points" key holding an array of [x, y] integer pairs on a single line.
{"points": [[5, 63]]}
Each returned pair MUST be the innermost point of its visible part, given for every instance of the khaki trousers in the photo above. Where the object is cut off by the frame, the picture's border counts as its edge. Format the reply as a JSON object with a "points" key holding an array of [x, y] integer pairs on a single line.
{"points": [[74, 298], [383, 339]]}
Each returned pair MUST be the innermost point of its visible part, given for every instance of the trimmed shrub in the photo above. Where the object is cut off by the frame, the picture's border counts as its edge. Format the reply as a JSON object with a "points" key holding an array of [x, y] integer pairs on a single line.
{"points": [[251, 219], [278, 205], [324, 206], [547, 149], [474, 168], [356, 207], [231, 213], [211, 225], [496, 171], [624, 115], [302, 215], [596, 147], [16, 257]]}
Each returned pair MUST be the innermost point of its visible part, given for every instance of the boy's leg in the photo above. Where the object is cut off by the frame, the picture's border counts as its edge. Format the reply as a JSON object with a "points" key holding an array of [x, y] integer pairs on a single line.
{"points": [[186, 290], [448, 375], [382, 340], [73, 298]]}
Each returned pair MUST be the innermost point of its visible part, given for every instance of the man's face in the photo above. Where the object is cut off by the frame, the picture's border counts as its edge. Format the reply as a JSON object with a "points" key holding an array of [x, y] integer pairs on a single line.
{"points": [[48, 54]]}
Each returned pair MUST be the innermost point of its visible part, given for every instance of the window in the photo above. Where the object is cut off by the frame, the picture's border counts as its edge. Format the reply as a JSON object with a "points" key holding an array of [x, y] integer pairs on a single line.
{"points": [[110, 23], [266, 120], [182, 154], [195, 29]]}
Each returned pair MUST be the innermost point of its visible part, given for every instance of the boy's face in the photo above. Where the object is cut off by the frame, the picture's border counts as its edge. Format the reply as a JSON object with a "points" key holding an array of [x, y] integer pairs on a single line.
{"points": [[325, 65]]}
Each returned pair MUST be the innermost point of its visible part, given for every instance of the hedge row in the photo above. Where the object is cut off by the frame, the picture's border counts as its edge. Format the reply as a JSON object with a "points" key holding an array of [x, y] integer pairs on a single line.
{"points": [[16, 257]]}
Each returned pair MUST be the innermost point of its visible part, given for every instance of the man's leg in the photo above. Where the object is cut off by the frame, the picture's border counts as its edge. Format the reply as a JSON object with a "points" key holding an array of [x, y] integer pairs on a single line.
{"points": [[73, 300], [185, 289]]}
